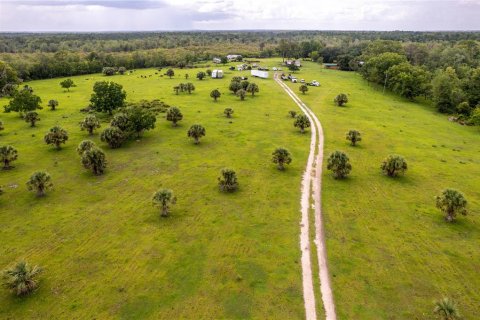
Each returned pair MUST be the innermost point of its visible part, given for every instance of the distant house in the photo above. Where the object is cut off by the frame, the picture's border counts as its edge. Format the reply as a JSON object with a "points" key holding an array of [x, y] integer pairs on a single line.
{"points": [[330, 66], [234, 57], [297, 62], [217, 60]]}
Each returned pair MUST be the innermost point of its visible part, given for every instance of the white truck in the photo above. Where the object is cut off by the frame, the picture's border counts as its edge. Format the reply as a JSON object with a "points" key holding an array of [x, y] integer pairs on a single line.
{"points": [[259, 74], [217, 74]]}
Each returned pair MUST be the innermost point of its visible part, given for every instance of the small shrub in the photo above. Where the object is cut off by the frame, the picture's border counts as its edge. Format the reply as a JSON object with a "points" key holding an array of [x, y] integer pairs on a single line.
{"points": [[93, 159], [40, 182], [394, 164], [196, 131], [31, 117], [215, 94], [353, 136], [242, 93], [303, 88], [90, 123], [163, 199], [281, 157], [451, 202], [339, 164], [8, 154], [170, 73], [341, 99], [292, 113], [53, 104], [56, 136], [174, 115], [302, 122], [228, 180], [84, 146], [446, 309], [113, 136], [228, 112], [21, 279]]}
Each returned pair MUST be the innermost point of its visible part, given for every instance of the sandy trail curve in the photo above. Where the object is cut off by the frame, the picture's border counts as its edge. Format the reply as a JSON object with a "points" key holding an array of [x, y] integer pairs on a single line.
{"points": [[313, 169]]}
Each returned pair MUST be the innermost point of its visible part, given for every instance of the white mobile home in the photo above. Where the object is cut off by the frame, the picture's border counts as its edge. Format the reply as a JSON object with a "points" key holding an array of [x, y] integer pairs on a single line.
{"points": [[217, 74], [259, 74]]}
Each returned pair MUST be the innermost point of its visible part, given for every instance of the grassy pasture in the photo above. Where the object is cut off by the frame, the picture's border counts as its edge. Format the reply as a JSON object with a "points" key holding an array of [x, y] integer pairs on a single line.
{"points": [[106, 252], [390, 252]]}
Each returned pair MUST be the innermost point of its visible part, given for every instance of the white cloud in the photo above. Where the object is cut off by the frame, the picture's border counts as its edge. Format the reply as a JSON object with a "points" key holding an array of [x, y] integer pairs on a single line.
{"points": [[91, 15]]}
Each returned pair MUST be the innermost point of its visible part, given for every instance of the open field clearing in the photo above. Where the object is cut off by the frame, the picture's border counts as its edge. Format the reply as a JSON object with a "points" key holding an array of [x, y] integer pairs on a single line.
{"points": [[391, 254], [106, 252]]}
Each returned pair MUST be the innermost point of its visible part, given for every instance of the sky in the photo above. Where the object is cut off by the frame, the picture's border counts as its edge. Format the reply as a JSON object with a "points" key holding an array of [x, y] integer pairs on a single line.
{"points": [[159, 15]]}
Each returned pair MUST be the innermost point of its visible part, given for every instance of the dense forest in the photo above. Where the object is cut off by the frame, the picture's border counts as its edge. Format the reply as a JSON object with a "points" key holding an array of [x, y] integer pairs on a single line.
{"points": [[441, 66]]}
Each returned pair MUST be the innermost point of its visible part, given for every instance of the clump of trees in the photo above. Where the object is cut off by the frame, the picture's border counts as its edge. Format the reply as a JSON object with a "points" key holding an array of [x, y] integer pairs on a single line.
{"points": [[40, 182], [136, 120], [67, 84], [53, 104], [163, 199], [341, 99], [235, 85], [122, 70], [184, 87], [31, 117], [215, 94], [174, 115], [23, 101], [8, 154], [302, 122], [281, 157], [393, 165], [228, 112], [90, 123], [452, 202], [107, 96], [56, 136], [339, 164], [228, 181], [113, 136], [21, 279], [353, 136], [196, 131]]}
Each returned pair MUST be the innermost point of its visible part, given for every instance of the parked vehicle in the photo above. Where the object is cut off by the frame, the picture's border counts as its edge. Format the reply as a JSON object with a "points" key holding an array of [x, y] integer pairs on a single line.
{"points": [[315, 83], [302, 81], [217, 74], [294, 80]]}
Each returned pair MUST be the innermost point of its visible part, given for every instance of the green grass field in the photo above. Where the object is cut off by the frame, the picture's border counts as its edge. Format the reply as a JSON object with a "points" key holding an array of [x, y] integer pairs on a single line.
{"points": [[390, 252], [108, 254], [106, 251]]}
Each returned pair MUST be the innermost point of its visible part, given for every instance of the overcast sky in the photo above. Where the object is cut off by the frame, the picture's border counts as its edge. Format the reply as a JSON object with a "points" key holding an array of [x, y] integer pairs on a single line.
{"points": [[122, 15]]}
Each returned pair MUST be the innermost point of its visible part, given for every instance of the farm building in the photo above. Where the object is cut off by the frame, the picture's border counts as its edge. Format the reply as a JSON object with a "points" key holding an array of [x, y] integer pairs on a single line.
{"points": [[259, 74]]}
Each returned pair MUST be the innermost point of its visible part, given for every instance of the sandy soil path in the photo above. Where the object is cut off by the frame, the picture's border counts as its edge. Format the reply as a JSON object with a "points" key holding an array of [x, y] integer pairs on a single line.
{"points": [[312, 188]]}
